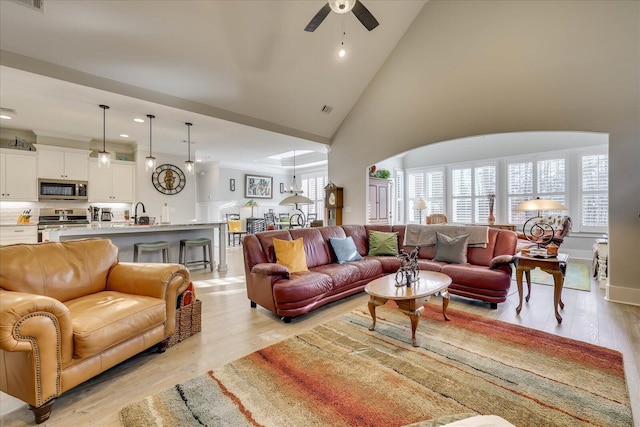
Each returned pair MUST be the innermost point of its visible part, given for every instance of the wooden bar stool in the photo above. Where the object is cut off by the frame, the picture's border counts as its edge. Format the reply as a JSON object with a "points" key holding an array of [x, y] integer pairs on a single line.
{"points": [[151, 247], [185, 244]]}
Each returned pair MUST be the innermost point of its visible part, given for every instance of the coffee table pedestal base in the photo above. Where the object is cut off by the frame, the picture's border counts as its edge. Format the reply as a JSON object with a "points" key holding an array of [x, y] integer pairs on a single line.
{"points": [[411, 307]]}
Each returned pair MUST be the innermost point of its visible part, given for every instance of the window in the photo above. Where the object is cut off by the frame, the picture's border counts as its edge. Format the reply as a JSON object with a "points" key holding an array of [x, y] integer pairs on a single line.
{"points": [[427, 185], [399, 196], [470, 189], [313, 188], [595, 183], [545, 178]]}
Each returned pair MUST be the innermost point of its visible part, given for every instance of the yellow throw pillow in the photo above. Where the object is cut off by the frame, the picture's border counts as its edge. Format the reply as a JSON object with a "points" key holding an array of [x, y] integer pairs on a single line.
{"points": [[290, 253], [235, 225]]}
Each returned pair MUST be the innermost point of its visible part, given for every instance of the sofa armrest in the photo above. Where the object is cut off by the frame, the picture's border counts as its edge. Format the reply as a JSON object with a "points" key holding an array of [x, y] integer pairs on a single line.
{"points": [[271, 269], [500, 260], [163, 281], [40, 328]]}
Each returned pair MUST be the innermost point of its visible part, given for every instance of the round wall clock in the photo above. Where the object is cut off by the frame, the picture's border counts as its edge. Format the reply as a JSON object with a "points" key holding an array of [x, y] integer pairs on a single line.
{"points": [[168, 179]]}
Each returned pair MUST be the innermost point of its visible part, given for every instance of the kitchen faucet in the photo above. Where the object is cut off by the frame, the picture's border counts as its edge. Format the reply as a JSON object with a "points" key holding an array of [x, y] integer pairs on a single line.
{"points": [[135, 212]]}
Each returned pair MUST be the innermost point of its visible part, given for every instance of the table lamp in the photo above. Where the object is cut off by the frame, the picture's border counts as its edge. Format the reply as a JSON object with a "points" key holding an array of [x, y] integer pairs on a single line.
{"points": [[420, 205]]}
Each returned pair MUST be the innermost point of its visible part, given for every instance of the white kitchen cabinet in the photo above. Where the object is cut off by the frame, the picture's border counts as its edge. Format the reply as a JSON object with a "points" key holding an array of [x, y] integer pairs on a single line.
{"points": [[113, 184], [18, 176], [62, 163], [18, 234]]}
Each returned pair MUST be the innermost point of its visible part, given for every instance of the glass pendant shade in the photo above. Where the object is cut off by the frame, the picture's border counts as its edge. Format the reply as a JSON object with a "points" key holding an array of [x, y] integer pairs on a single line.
{"points": [[149, 164], [104, 158], [150, 161], [189, 166]]}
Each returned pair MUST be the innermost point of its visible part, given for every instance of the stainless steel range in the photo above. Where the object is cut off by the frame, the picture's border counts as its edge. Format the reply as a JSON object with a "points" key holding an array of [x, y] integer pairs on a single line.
{"points": [[56, 217]]}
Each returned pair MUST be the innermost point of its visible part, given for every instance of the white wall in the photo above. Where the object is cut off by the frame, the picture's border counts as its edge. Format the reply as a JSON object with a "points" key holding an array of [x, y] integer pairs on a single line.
{"points": [[182, 206], [470, 68]]}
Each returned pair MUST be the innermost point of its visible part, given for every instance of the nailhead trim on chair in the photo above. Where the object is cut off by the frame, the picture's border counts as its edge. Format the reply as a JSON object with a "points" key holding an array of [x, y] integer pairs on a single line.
{"points": [[36, 351]]}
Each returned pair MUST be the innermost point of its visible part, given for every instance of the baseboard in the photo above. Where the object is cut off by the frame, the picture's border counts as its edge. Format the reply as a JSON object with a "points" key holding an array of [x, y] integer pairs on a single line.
{"points": [[622, 295]]}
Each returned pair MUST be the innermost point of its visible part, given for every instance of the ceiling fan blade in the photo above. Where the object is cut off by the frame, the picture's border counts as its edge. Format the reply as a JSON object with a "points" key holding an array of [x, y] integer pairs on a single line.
{"points": [[317, 20], [364, 16]]}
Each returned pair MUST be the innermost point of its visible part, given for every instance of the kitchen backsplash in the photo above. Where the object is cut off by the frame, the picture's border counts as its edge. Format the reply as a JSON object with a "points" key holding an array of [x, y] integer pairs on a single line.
{"points": [[10, 211]]}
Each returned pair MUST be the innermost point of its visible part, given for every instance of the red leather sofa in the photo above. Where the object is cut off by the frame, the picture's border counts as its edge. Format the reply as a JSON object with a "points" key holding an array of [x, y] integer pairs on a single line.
{"points": [[486, 276]]}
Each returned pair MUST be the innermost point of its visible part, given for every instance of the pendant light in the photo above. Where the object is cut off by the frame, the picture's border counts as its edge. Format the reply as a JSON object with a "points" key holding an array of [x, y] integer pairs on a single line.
{"points": [[189, 166], [296, 197], [150, 161], [104, 158]]}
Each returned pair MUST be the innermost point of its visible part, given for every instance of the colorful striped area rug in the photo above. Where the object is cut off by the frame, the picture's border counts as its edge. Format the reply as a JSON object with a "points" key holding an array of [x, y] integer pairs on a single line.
{"points": [[342, 374]]}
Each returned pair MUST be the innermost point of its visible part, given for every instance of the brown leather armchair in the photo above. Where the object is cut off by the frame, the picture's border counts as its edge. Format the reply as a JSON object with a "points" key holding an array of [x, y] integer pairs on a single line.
{"points": [[71, 310]]}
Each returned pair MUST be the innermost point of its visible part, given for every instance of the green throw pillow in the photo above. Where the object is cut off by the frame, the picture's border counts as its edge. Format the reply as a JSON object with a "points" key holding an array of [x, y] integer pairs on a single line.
{"points": [[381, 243]]}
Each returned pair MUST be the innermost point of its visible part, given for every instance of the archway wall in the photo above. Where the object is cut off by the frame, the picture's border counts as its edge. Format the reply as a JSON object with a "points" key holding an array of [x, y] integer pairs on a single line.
{"points": [[470, 68]]}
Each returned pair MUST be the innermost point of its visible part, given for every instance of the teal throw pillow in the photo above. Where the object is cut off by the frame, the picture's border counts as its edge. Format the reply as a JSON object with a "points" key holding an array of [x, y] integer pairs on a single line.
{"points": [[345, 249], [381, 243], [451, 249]]}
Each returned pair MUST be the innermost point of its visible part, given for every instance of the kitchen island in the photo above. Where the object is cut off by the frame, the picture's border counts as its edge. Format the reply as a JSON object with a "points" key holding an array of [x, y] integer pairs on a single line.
{"points": [[125, 235]]}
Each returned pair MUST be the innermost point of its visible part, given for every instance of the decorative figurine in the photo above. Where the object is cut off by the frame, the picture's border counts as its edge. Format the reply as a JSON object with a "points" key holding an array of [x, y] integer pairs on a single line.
{"points": [[409, 270]]}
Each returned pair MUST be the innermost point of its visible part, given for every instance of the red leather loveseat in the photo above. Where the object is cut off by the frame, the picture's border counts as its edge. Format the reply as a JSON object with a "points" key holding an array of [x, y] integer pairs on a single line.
{"points": [[486, 276]]}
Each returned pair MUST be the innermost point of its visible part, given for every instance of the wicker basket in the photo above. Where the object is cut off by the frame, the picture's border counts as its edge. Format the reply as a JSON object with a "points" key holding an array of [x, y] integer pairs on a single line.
{"points": [[188, 321]]}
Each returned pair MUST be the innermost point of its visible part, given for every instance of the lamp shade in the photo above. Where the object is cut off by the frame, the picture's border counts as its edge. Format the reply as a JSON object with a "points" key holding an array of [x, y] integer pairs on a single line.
{"points": [[420, 204], [540, 205], [296, 199]]}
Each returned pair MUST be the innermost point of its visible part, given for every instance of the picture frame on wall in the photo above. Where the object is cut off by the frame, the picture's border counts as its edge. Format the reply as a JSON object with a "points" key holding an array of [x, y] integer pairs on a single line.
{"points": [[258, 186], [232, 184]]}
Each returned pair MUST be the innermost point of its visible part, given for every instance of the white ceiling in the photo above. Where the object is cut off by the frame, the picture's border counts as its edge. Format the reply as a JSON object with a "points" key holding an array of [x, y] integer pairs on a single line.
{"points": [[244, 72]]}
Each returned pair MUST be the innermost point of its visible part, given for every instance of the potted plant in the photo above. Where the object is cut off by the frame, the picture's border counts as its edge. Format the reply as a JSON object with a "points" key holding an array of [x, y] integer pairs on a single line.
{"points": [[383, 174]]}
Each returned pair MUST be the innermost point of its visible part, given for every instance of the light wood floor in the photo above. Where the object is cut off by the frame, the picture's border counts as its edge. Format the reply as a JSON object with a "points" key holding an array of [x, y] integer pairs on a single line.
{"points": [[231, 329]]}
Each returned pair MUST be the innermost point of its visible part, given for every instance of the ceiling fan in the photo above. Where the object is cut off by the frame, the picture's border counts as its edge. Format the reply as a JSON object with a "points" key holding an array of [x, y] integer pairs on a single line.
{"points": [[342, 7]]}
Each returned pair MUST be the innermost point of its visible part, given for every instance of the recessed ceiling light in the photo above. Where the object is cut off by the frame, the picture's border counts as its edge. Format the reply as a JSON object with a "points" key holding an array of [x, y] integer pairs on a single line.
{"points": [[124, 135], [4, 116], [138, 120]]}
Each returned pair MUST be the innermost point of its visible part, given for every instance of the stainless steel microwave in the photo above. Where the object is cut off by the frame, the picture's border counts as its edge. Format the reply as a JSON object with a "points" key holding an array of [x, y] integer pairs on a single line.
{"points": [[50, 189]]}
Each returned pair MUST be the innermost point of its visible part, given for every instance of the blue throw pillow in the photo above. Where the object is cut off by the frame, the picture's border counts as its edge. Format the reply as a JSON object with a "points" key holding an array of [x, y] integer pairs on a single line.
{"points": [[345, 249]]}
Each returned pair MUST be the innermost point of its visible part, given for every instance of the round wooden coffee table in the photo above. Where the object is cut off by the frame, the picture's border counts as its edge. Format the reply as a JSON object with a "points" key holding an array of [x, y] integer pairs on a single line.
{"points": [[411, 299]]}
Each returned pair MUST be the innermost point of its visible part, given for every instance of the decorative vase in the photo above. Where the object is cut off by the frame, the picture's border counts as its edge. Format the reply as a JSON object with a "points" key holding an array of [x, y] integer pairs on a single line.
{"points": [[491, 219], [492, 201]]}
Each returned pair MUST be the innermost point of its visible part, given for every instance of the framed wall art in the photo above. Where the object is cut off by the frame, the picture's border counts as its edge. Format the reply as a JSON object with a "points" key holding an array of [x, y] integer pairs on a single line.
{"points": [[232, 184], [258, 187]]}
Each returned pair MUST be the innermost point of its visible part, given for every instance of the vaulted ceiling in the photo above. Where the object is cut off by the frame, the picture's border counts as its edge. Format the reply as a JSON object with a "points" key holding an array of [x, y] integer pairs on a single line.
{"points": [[253, 83]]}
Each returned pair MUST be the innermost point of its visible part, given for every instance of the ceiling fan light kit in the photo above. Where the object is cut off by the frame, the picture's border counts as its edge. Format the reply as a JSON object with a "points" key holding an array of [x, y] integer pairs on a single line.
{"points": [[342, 7]]}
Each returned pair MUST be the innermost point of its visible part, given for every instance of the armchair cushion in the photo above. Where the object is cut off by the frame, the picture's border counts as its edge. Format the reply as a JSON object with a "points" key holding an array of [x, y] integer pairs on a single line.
{"points": [[105, 319]]}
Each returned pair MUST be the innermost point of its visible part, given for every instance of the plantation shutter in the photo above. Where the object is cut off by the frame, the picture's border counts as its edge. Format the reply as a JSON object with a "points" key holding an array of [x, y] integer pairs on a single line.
{"points": [[595, 183]]}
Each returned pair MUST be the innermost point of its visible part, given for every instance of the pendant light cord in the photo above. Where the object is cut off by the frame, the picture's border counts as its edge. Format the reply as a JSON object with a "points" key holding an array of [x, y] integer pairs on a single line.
{"points": [[189, 138], [151, 117], [104, 126]]}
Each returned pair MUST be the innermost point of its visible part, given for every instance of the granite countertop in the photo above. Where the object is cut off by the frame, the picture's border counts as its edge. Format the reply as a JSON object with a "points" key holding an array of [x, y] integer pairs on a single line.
{"points": [[13, 224], [123, 227]]}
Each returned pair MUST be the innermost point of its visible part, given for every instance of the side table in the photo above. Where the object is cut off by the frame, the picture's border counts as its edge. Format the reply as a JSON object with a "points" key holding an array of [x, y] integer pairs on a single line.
{"points": [[600, 256], [556, 266]]}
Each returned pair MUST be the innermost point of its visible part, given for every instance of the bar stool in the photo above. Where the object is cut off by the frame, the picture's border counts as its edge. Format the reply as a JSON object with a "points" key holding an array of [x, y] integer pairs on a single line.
{"points": [[185, 244], [151, 247]]}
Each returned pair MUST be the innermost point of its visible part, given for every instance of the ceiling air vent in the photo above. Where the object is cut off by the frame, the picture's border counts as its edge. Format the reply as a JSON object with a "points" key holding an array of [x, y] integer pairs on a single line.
{"points": [[32, 4], [327, 109]]}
